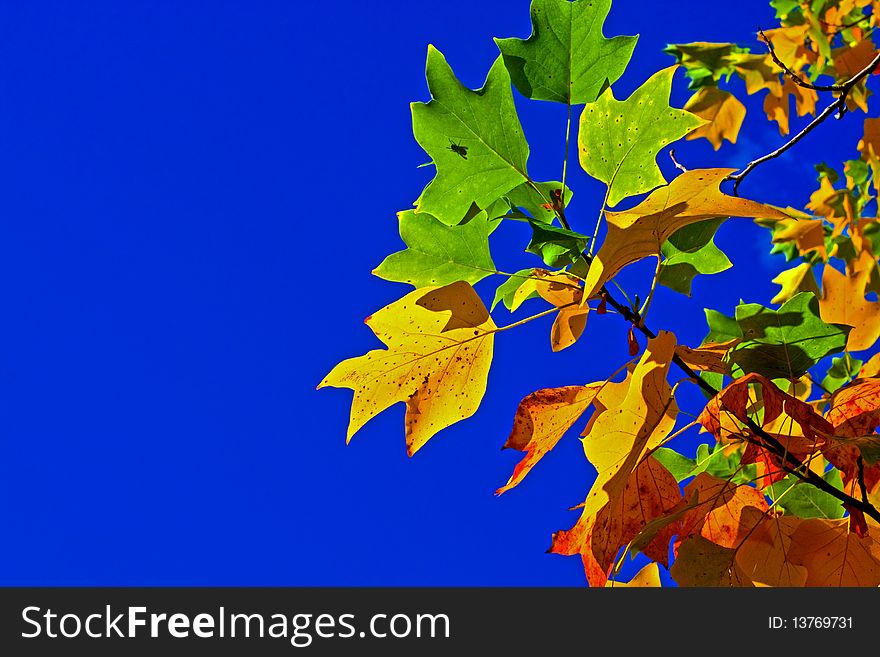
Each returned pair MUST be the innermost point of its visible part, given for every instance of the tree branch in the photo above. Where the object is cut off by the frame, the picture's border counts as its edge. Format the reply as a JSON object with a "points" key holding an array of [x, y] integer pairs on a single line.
{"points": [[790, 463], [839, 105], [678, 165]]}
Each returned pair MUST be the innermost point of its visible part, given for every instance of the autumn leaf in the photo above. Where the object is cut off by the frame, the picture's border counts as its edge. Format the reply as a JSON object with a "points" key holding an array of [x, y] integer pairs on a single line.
{"points": [[792, 281], [765, 555], [843, 302], [439, 343], [777, 104], [631, 488], [808, 235], [649, 491], [869, 147], [563, 291], [438, 254], [717, 515], [649, 576], [700, 562], [736, 399], [638, 233], [566, 59], [541, 420], [619, 140], [833, 556], [491, 151], [723, 111]]}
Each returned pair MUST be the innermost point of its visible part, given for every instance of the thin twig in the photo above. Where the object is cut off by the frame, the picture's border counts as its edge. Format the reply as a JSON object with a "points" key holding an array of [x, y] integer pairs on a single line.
{"points": [[839, 105], [678, 165], [860, 463], [798, 80]]}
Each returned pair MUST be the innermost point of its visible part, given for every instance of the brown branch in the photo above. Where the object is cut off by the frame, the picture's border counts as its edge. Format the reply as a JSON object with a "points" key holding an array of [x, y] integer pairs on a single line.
{"points": [[790, 463], [798, 80], [678, 165], [861, 479], [839, 105]]}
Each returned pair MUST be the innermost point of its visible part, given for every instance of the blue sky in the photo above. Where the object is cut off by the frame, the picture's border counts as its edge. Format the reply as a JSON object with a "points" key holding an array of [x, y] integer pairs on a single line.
{"points": [[194, 197]]}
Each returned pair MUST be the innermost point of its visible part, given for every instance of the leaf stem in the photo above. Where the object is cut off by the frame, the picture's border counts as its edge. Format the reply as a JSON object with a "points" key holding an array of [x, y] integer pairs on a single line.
{"points": [[599, 219], [565, 161], [643, 311]]}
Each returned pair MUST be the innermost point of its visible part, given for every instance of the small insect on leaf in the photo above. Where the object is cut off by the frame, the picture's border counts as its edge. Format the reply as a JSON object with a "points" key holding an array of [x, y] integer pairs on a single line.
{"points": [[459, 149]]}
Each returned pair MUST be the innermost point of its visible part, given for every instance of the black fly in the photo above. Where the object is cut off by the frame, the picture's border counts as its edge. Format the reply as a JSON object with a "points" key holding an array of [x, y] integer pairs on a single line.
{"points": [[458, 149]]}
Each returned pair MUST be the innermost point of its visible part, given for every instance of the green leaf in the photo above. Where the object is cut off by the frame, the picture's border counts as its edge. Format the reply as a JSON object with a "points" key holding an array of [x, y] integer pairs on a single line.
{"points": [[566, 59], [536, 199], [806, 501], [843, 370], [785, 7], [705, 64], [508, 288], [619, 140], [721, 327], [558, 247], [678, 464], [691, 251], [438, 254], [784, 343], [474, 139], [711, 459]]}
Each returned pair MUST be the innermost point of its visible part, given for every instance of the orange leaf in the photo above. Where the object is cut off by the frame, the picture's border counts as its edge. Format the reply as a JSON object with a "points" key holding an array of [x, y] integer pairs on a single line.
{"points": [[541, 420], [648, 492], [717, 515], [854, 414], [833, 556], [735, 399], [843, 302]]}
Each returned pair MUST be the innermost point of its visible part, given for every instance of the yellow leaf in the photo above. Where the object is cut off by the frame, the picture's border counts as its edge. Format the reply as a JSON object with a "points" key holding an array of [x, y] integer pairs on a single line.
{"points": [[631, 488], [723, 111], [619, 437], [640, 232], [843, 302], [541, 420], [758, 72], [778, 105], [797, 279], [440, 343], [647, 577], [833, 556], [807, 234], [871, 368], [563, 291]]}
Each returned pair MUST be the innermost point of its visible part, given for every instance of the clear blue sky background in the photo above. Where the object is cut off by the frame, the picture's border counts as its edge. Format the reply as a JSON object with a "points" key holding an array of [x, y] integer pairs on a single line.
{"points": [[193, 196]]}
